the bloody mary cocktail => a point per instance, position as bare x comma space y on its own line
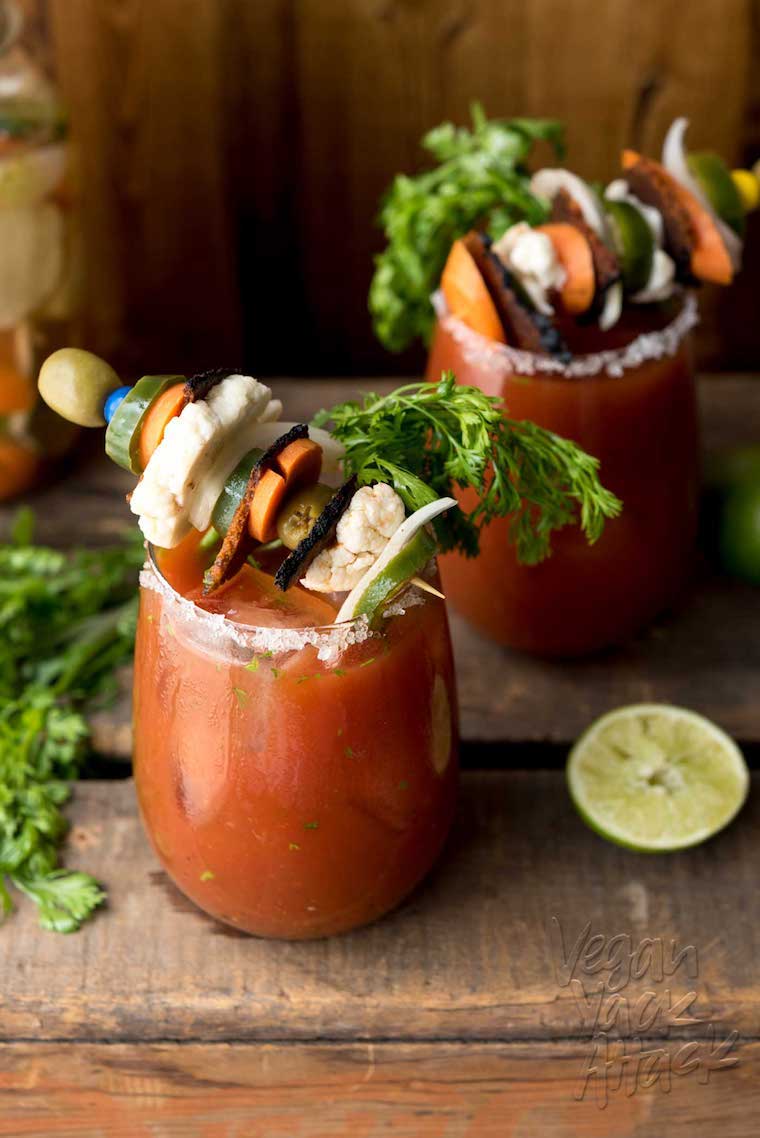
295, 730
568, 303
634, 408
294, 782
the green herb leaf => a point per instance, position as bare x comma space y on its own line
67, 621
64, 899
481, 176
425, 439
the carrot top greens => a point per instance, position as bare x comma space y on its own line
426, 439
66, 622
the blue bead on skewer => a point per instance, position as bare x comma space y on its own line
113, 401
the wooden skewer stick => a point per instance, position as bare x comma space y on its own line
427, 588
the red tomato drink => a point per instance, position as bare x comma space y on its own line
295, 780
634, 408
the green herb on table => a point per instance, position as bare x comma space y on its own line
67, 622
425, 439
480, 176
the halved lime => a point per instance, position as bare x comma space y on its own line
634, 243
656, 778
714, 178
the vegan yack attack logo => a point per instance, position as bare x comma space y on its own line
598, 970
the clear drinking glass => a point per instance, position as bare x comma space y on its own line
633, 406
294, 782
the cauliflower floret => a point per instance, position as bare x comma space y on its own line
374, 515
531, 256
336, 570
372, 518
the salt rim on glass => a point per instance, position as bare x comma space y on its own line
216, 632
478, 351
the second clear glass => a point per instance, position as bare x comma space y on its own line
635, 409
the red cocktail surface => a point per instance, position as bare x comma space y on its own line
637, 413
287, 794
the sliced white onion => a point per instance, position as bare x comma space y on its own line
674, 161
548, 182
612, 307
404, 534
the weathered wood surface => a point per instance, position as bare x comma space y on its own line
446, 1090
234, 153
474, 955
706, 655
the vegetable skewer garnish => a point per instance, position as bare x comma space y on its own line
211, 452
527, 326
288, 462
317, 537
514, 273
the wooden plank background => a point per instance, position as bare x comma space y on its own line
233, 152
472, 955
359, 1090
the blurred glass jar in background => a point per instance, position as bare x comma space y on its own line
40, 259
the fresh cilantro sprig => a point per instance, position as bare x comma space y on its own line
67, 622
481, 177
427, 438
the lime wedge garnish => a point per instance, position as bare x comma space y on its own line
714, 178
656, 778
634, 243
407, 552
410, 561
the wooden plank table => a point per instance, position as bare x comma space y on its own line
461, 1014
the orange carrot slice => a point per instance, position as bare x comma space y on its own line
267, 499
467, 295
575, 256
300, 462
709, 257
157, 418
